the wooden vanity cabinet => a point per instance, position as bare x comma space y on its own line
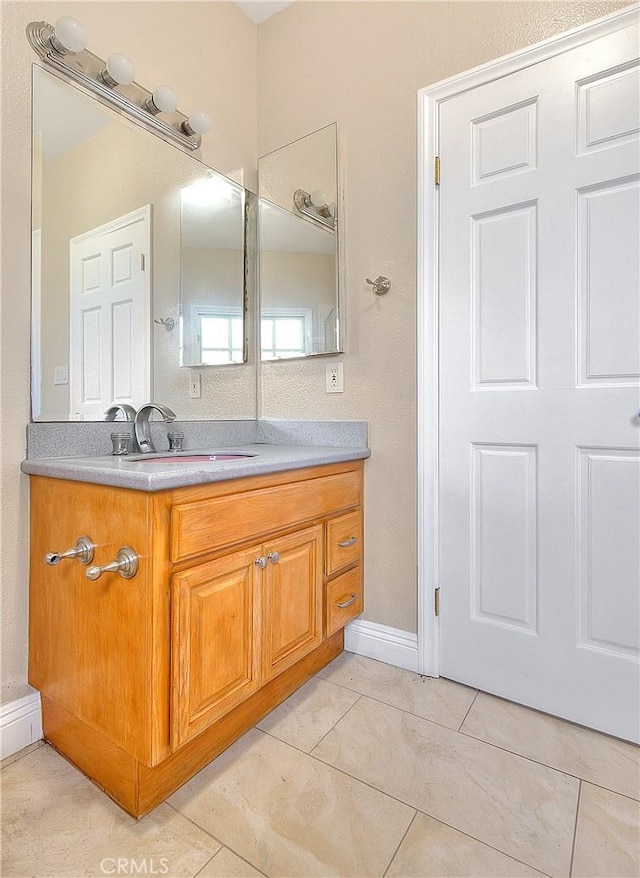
239, 598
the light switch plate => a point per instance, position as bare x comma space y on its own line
60, 374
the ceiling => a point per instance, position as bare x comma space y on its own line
261, 10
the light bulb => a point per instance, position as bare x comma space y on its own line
318, 198
197, 123
163, 100
119, 70
68, 35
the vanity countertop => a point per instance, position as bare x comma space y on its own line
148, 476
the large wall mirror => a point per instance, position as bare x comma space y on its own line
299, 247
138, 267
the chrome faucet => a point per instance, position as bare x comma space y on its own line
141, 424
128, 412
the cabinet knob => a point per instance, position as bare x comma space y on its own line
83, 551
126, 564
274, 557
261, 562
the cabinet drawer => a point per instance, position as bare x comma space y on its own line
344, 541
343, 600
206, 525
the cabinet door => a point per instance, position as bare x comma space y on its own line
292, 599
215, 641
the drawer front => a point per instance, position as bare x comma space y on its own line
207, 525
343, 600
344, 541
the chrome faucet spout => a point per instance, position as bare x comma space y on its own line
141, 424
128, 412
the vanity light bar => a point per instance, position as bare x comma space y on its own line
313, 206
87, 69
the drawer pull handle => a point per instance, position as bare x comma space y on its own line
261, 562
350, 542
83, 551
343, 604
126, 564
274, 557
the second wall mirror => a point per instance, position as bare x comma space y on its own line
299, 248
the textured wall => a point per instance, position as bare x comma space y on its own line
360, 64
207, 51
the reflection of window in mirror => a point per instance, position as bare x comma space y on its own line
218, 334
285, 332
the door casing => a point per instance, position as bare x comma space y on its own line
429, 100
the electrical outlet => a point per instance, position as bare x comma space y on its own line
60, 374
195, 385
334, 378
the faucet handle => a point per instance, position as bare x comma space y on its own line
176, 441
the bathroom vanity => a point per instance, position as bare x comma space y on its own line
242, 590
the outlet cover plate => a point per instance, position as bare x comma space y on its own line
334, 378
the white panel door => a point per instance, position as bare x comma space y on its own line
539, 506
110, 316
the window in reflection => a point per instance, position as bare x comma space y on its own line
218, 335
285, 332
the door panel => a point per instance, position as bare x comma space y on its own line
110, 308
292, 600
216, 641
539, 374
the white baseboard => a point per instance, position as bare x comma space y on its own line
20, 724
390, 645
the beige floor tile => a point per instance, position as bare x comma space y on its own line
608, 835
56, 822
439, 700
306, 717
524, 809
433, 850
288, 814
226, 864
590, 755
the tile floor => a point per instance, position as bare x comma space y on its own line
366, 771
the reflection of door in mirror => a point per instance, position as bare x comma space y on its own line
299, 248
110, 297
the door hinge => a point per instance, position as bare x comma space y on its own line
436, 170
436, 601
143, 262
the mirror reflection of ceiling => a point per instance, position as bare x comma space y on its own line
210, 216
283, 231
54, 100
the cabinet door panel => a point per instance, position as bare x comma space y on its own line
292, 604
216, 641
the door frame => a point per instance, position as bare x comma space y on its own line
428, 379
